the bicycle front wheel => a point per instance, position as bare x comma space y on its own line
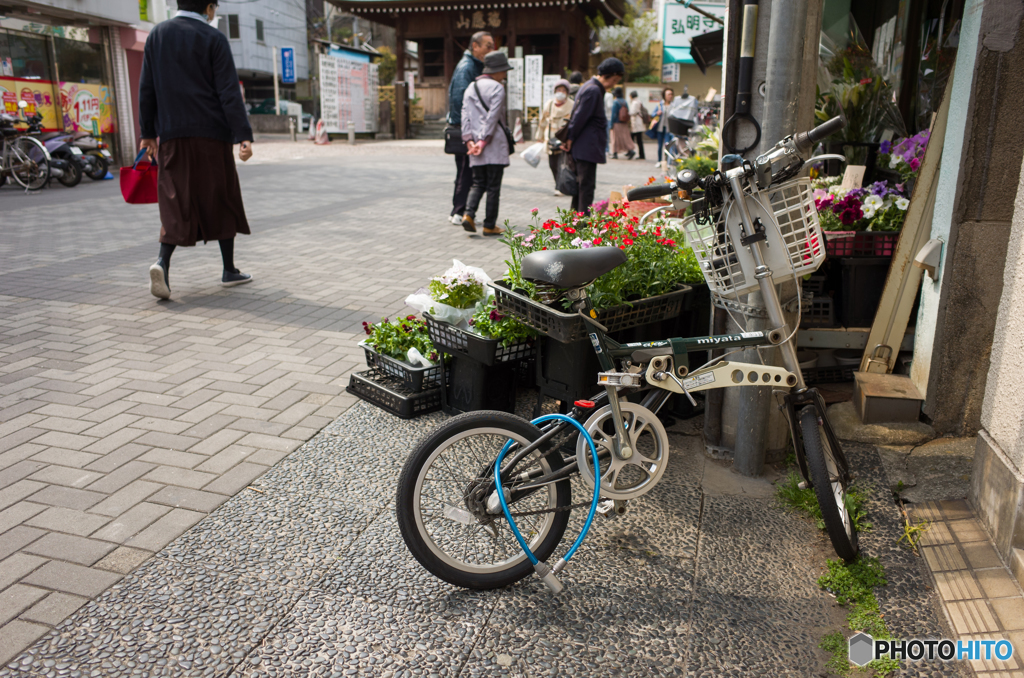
827, 468
442, 502
28, 164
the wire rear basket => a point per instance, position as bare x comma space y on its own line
793, 249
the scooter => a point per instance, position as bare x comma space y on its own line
95, 150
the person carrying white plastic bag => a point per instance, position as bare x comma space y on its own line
452, 296
533, 154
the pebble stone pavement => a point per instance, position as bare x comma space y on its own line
277, 554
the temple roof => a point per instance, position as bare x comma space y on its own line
614, 8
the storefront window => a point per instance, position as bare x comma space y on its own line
29, 57
79, 61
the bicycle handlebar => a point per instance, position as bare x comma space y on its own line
652, 191
805, 141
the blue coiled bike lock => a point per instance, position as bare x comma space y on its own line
547, 574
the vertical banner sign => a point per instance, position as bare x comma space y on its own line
288, 65
348, 93
549, 87
515, 85
534, 80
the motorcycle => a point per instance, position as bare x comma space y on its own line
68, 164
96, 151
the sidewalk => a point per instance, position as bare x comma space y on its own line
124, 421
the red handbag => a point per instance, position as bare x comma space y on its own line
138, 182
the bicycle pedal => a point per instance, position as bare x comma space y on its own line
804, 485
611, 507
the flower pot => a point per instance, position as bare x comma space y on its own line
414, 377
569, 327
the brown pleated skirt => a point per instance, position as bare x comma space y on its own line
198, 190
622, 139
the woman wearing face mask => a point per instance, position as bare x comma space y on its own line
554, 117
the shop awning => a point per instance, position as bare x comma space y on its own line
677, 55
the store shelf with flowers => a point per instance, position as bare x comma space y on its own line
647, 297
861, 228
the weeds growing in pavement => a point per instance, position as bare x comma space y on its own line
790, 494
851, 584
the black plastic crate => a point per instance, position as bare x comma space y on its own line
471, 386
815, 284
458, 342
861, 243
392, 395
863, 284
414, 378
569, 327
819, 312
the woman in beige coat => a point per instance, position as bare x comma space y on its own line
554, 117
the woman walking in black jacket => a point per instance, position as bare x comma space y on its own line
191, 113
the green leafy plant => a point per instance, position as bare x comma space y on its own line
655, 262
802, 499
702, 166
912, 532
394, 339
630, 41
488, 322
458, 287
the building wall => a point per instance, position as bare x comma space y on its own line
974, 206
284, 25
117, 11
1003, 411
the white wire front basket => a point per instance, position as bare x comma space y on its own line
793, 247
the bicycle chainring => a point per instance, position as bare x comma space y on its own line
625, 478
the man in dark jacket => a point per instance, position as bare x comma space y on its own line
469, 68
588, 130
190, 100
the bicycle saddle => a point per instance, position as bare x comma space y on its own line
571, 268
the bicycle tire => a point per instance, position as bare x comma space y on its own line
831, 493
36, 170
422, 544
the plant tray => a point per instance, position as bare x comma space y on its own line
455, 341
568, 327
414, 378
828, 375
860, 243
392, 395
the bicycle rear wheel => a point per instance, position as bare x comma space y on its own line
828, 470
28, 164
441, 504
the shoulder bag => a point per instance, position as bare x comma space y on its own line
453, 143
508, 132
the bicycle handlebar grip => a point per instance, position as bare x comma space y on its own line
805, 141
652, 191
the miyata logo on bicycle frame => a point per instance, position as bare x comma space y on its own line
729, 337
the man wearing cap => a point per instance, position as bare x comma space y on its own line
588, 130
486, 136
469, 68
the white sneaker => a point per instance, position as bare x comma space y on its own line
158, 286
456, 219
557, 193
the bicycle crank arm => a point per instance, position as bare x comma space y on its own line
722, 375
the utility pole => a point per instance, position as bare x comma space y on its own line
277, 88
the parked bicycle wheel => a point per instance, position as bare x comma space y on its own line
828, 470
28, 164
442, 502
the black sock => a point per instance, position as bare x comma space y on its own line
165, 255
227, 253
